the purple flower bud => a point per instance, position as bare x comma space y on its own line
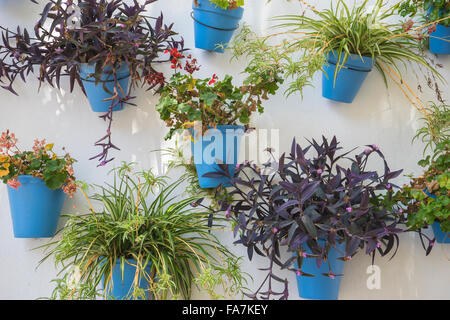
432, 244
227, 214
319, 171
332, 276
400, 210
298, 273
304, 255
378, 244
349, 257
349, 209
136, 45
388, 186
238, 166
275, 230
367, 151
103, 163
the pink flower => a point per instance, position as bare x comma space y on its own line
388, 186
349, 257
275, 230
13, 183
304, 255
319, 171
375, 147
332, 276
367, 151
432, 244
349, 209
378, 244
298, 273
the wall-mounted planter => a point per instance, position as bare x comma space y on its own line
122, 288
321, 287
440, 40
219, 145
35, 209
441, 236
214, 26
349, 79
97, 93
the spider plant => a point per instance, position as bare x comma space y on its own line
436, 128
309, 39
169, 234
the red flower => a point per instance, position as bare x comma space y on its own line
213, 79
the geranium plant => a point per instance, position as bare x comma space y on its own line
313, 197
107, 34
186, 99
42, 162
425, 199
438, 11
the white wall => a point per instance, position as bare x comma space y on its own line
379, 116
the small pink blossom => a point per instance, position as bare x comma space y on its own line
319, 171
275, 230
298, 273
332, 276
378, 244
304, 255
432, 244
349, 209
13, 183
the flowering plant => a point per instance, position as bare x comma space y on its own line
426, 198
42, 162
437, 10
314, 202
107, 34
186, 99
225, 4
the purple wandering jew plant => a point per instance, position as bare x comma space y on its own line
301, 198
109, 34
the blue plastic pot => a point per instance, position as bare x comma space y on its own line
349, 79
220, 145
213, 26
35, 208
96, 93
440, 40
441, 236
321, 287
122, 288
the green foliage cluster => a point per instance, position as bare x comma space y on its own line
173, 236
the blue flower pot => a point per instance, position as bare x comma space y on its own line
96, 93
122, 289
441, 236
214, 26
321, 287
35, 209
440, 40
349, 79
220, 144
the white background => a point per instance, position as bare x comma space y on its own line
380, 116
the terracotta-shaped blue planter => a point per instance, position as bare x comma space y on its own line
441, 236
321, 287
440, 40
349, 79
35, 209
104, 89
122, 288
219, 145
214, 26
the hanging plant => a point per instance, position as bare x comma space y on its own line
319, 203
38, 182
211, 107
99, 45
343, 42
